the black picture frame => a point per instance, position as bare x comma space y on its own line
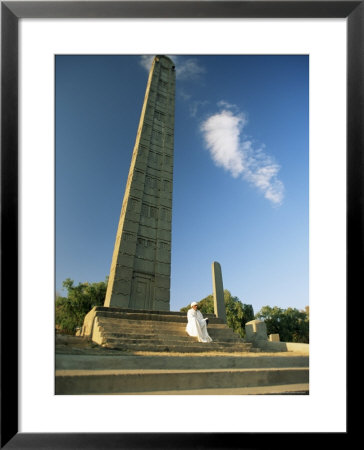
11, 12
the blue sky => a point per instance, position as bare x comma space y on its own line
240, 194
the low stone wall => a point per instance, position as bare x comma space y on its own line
256, 333
88, 323
298, 347
269, 346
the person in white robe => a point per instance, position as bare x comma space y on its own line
196, 325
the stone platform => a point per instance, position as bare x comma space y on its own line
149, 352
157, 381
157, 331
105, 371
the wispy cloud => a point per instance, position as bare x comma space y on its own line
230, 149
184, 95
195, 105
146, 61
186, 68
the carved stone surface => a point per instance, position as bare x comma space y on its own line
256, 330
274, 338
141, 263
218, 291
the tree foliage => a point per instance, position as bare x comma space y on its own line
291, 324
237, 314
71, 310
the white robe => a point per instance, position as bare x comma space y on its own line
196, 326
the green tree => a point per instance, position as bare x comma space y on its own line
71, 310
237, 314
291, 324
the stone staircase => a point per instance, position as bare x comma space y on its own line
149, 352
157, 331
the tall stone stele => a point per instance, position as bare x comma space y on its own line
141, 264
218, 291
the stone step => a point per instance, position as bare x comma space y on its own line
183, 337
114, 309
185, 340
130, 324
127, 329
154, 331
170, 340
155, 381
143, 341
285, 389
124, 324
150, 333
155, 325
225, 335
137, 335
163, 362
151, 316
195, 347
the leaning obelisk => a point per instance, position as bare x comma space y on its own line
141, 264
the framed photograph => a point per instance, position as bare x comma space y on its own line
32, 34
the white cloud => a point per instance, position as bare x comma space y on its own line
186, 68
221, 132
231, 150
146, 61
